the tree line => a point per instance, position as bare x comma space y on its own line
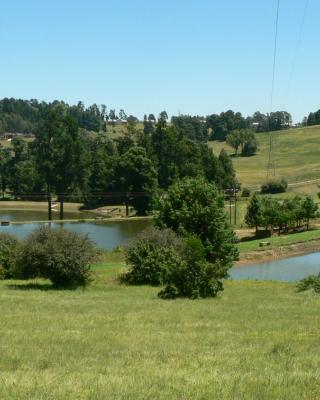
71, 162
23, 116
282, 215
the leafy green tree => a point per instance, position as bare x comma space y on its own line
5, 168
102, 168
135, 173
234, 140
254, 216
194, 127
72, 161
227, 175
194, 206
60, 153
25, 178
309, 209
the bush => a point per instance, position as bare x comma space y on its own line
151, 255
9, 246
250, 148
63, 257
160, 257
311, 282
193, 277
274, 186
193, 206
245, 192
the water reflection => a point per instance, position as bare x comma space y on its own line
289, 269
107, 235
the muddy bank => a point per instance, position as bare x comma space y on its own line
276, 253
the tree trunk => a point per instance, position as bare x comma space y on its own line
49, 207
61, 208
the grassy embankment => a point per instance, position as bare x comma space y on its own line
296, 155
256, 341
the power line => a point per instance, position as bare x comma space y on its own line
271, 169
295, 57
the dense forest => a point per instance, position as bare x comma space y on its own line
65, 160
74, 156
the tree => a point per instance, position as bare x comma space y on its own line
249, 142
254, 214
234, 140
113, 117
60, 153
227, 175
5, 168
136, 173
194, 206
102, 165
309, 209
122, 115
194, 127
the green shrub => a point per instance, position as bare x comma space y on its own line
9, 246
63, 257
151, 255
193, 276
274, 186
245, 192
311, 282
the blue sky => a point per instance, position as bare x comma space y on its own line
187, 56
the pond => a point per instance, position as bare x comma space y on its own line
106, 234
289, 269
110, 234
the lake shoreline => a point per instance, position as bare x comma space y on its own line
82, 220
277, 253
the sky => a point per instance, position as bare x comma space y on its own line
183, 56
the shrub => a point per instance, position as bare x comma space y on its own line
9, 246
245, 192
193, 277
311, 282
150, 256
63, 257
274, 186
194, 206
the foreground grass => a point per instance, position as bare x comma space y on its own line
256, 341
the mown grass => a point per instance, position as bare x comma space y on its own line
296, 155
258, 340
283, 240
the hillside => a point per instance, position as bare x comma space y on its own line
296, 155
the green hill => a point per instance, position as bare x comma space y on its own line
296, 156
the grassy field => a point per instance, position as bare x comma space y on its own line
296, 155
258, 340
35, 205
283, 240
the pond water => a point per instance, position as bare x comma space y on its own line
109, 234
289, 269
106, 234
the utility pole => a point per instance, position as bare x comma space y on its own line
61, 207
49, 206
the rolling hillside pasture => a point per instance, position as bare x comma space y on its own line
296, 155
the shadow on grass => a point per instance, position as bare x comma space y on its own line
36, 286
